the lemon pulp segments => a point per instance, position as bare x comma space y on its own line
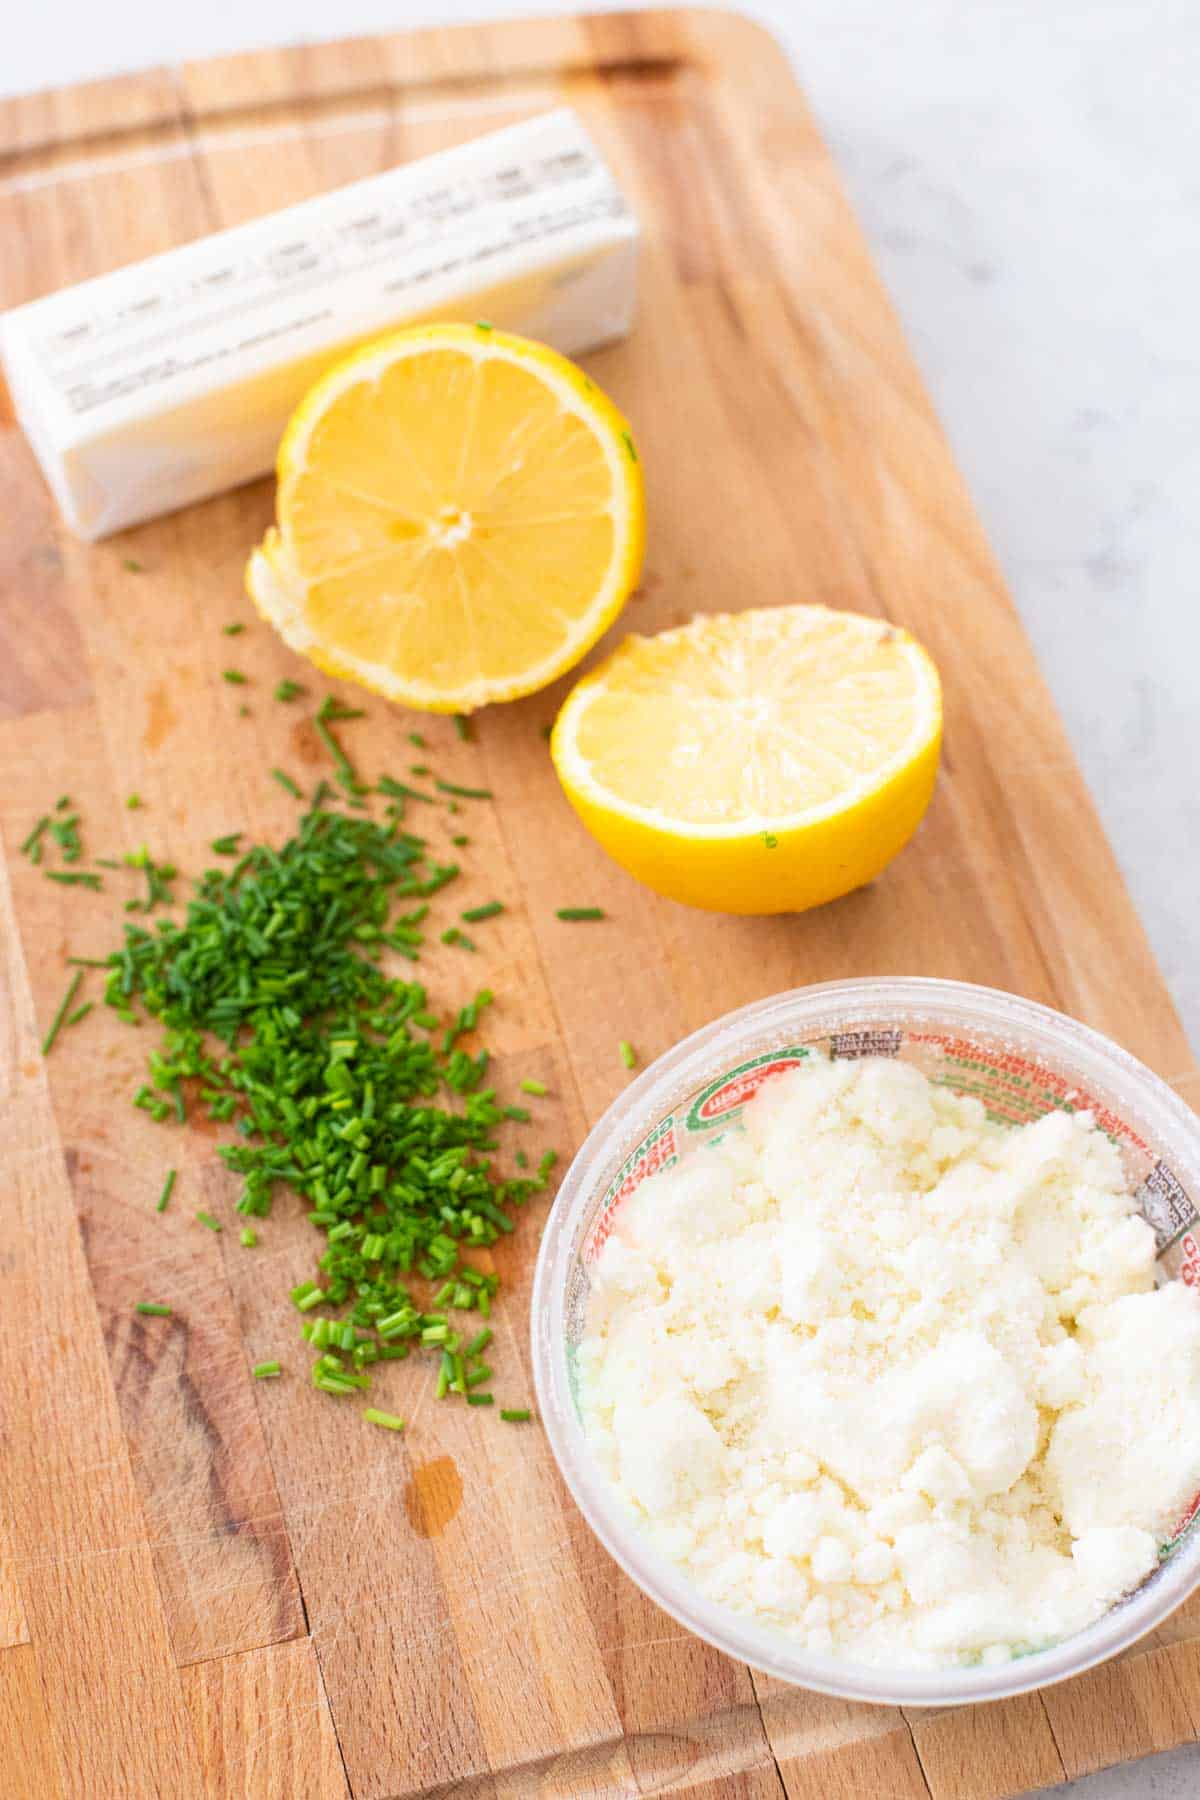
460, 516
756, 762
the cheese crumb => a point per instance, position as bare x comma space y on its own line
894, 1378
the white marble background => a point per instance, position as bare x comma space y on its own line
1028, 172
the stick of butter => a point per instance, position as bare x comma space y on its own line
162, 383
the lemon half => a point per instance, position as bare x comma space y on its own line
460, 515
758, 762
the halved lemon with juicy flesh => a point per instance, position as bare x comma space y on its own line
460, 515
756, 762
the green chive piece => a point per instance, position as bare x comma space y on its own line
81, 1012
69, 878
165, 1195
628, 443
285, 781
532, 1086
133, 565
546, 731
520, 1113
475, 915
243, 712
460, 842
463, 793
331, 708
289, 690
206, 1218
515, 1415
64, 1007
247, 1237
226, 846
153, 1309
627, 1053
263, 1371
478, 1343
234, 677
452, 935
572, 913
462, 726
481, 1399
416, 740
133, 801
30, 843
234, 630
389, 1421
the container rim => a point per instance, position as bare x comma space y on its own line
961, 1005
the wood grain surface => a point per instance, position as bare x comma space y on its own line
216, 1587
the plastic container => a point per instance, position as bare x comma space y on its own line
1022, 1060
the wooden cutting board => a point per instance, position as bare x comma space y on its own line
211, 1586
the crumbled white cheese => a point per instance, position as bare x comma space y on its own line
891, 1377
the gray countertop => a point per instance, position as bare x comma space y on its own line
1028, 174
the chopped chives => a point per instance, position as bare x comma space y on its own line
515, 1415
418, 769
264, 1370
31, 847
481, 1399
81, 1012
73, 878
133, 801
341, 1081
285, 781
165, 1195
475, 915
459, 842
234, 677
416, 740
344, 769
463, 727
133, 565
452, 935
243, 712
64, 1007
627, 1053
247, 1237
331, 708
520, 1113
463, 793
153, 1309
234, 630
478, 1343
530, 1085
572, 913
289, 690
389, 1421
62, 803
